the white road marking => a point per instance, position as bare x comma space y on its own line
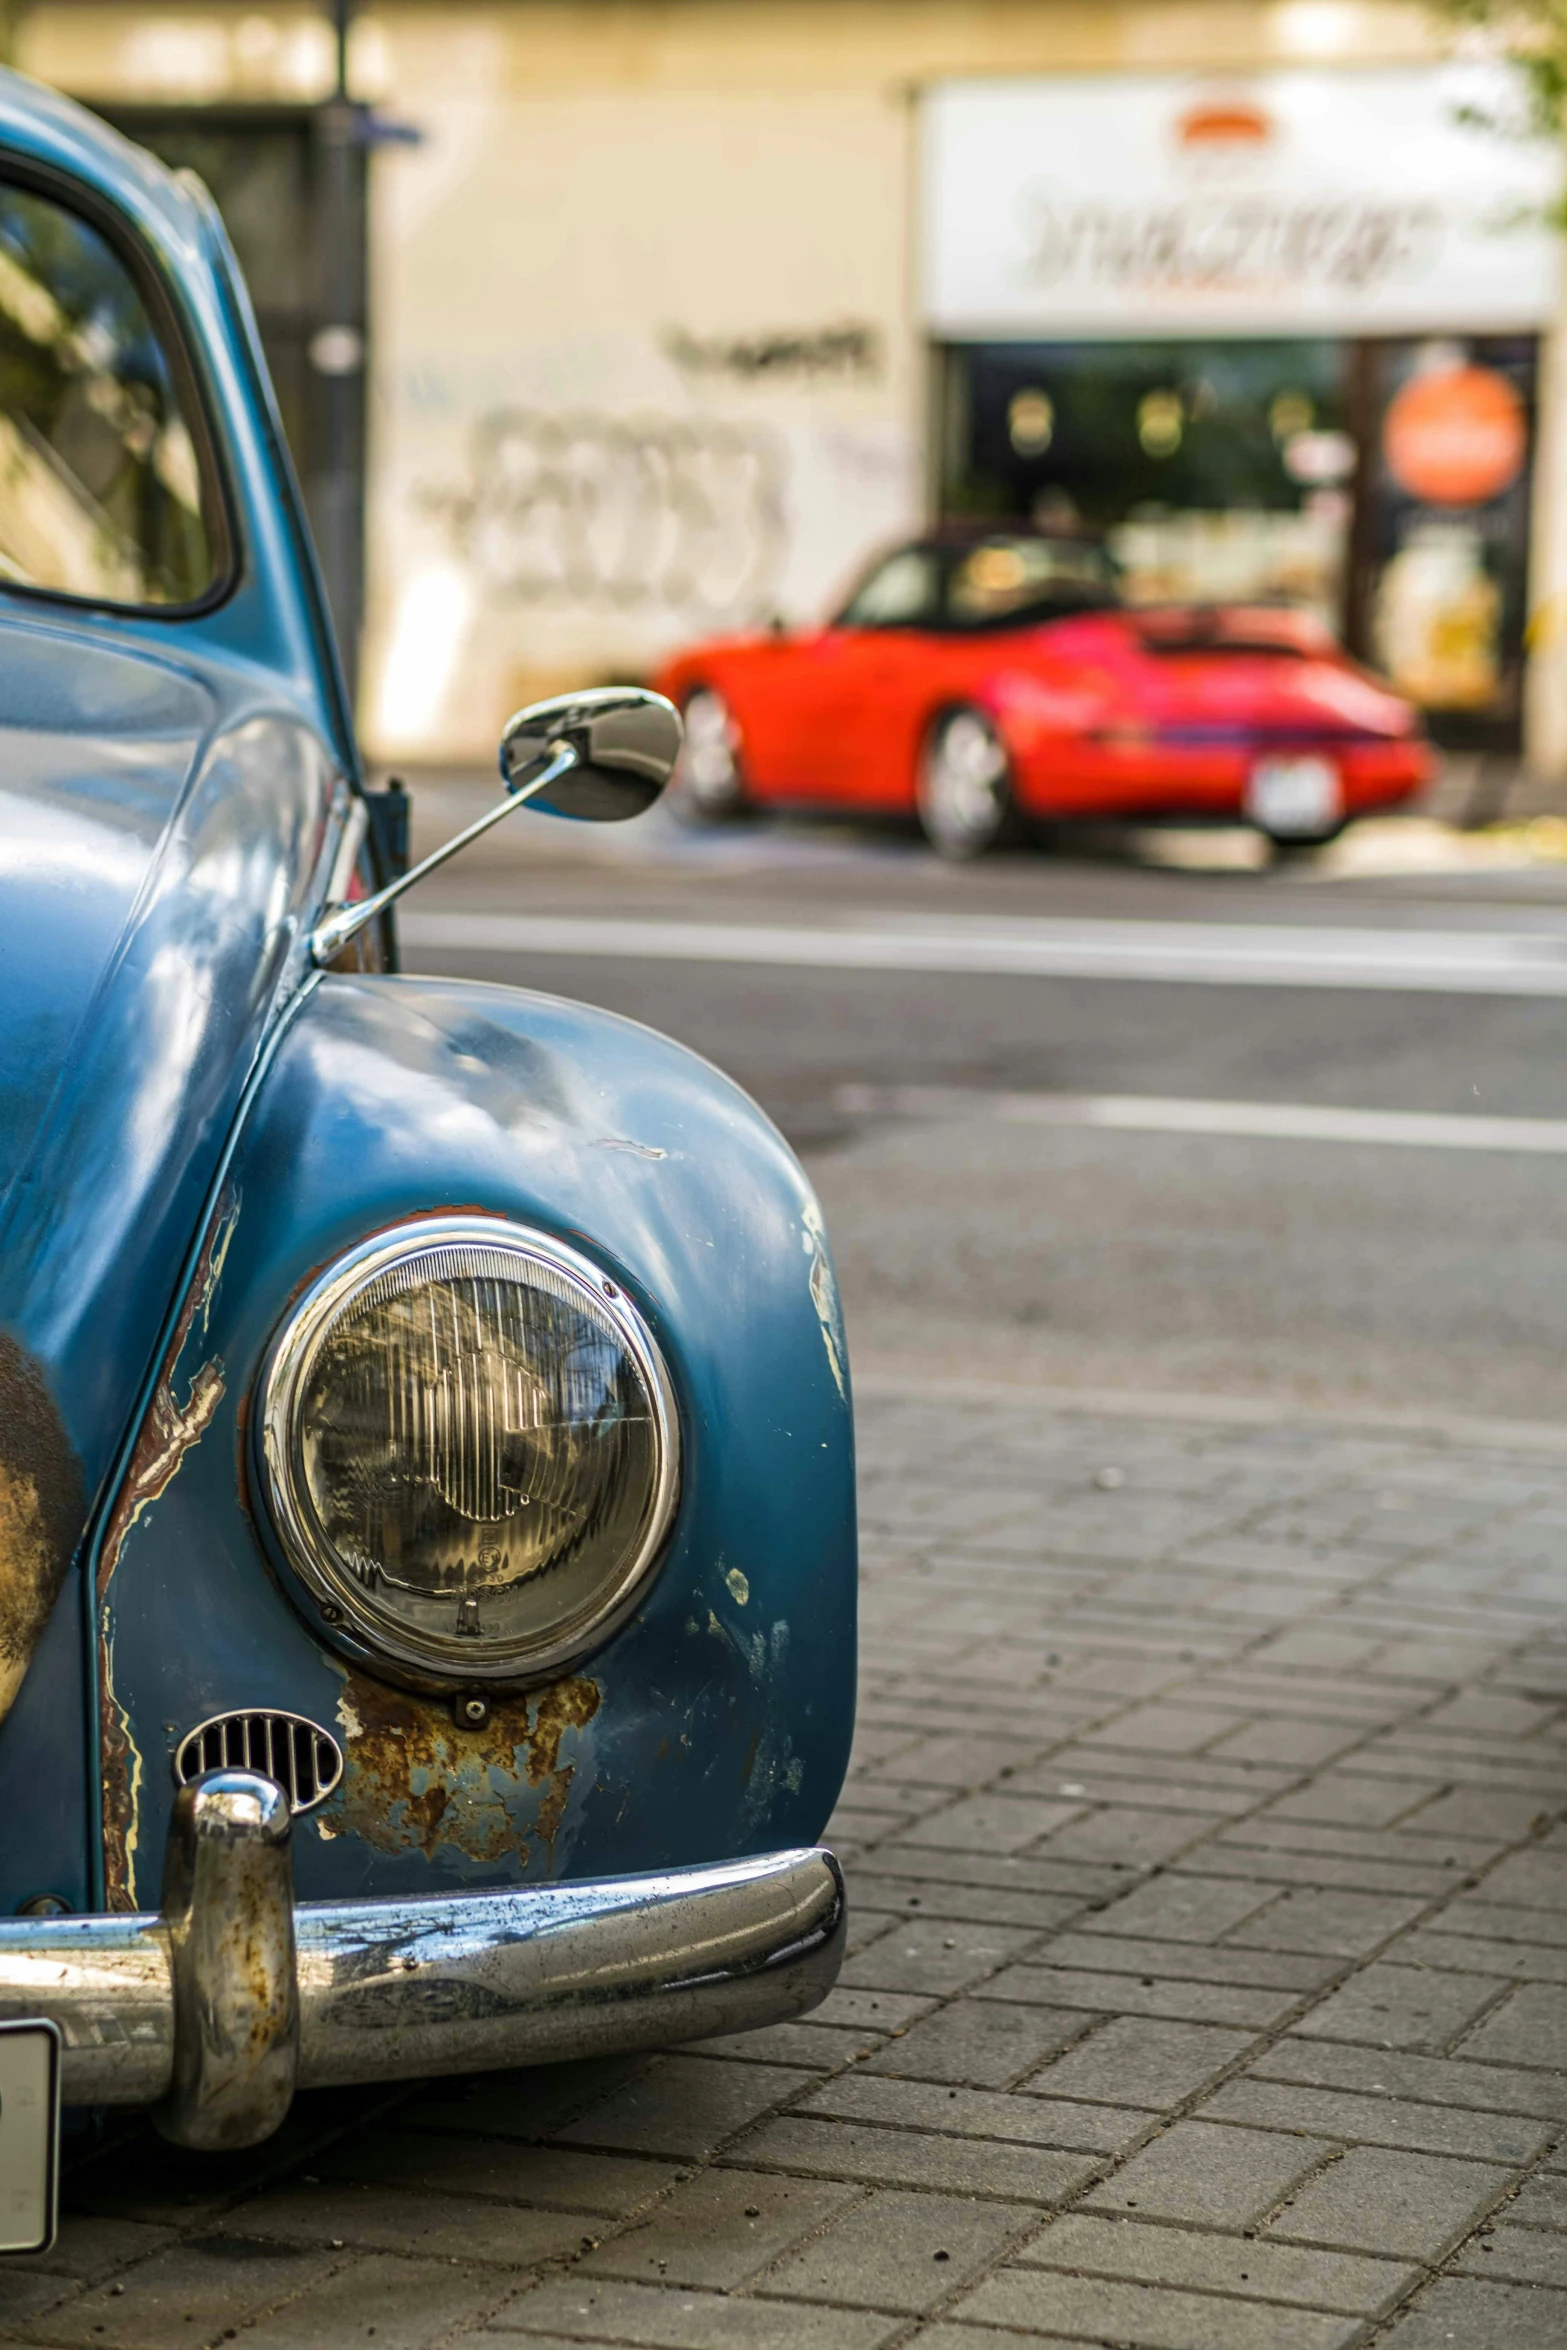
1216, 954
1130, 1113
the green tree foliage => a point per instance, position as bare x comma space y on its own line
1532, 38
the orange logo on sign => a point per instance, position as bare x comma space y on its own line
1456, 437
1224, 122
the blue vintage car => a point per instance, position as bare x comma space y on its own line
426, 1482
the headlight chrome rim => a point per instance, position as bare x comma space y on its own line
339, 1611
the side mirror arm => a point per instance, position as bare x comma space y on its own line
344, 923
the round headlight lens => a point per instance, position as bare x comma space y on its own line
470, 1448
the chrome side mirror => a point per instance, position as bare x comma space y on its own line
626, 742
597, 756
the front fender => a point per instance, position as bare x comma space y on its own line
717, 1720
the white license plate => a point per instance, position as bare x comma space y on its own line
29, 2135
1302, 796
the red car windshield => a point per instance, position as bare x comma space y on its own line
1002, 582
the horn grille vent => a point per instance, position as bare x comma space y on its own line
305, 1760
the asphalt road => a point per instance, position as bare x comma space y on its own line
1000, 1150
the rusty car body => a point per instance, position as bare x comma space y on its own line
426, 1478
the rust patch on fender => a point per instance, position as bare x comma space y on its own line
171, 1427
167, 1433
42, 1505
415, 1781
123, 1775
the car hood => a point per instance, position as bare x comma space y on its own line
160, 834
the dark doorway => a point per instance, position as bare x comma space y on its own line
290, 184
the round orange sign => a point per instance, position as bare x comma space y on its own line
1456, 437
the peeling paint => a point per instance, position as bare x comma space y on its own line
123, 1779
739, 1586
168, 1433
638, 1150
824, 1295
414, 1781
211, 1272
770, 1758
41, 1509
172, 1426
769, 1755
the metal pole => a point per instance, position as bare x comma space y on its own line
337, 353
342, 19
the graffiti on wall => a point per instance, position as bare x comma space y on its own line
678, 514
852, 352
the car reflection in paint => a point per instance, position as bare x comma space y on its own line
991, 679
424, 1416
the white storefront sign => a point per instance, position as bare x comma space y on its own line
1350, 201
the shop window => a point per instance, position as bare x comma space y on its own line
1214, 471
1382, 486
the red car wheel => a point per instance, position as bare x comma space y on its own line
964, 787
708, 778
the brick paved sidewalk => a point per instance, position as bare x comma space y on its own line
1209, 1986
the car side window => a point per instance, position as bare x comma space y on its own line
102, 494
903, 592
1008, 578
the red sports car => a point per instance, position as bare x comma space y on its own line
988, 681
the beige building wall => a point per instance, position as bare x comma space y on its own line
646, 356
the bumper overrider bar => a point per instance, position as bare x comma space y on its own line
215, 2011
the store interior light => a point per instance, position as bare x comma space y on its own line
1319, 459
1031, 421
1160, 423
1289, 413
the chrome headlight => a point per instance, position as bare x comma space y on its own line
470, 1449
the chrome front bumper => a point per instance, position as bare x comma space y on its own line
216, 2010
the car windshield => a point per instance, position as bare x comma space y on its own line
1000, 582
101, 494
